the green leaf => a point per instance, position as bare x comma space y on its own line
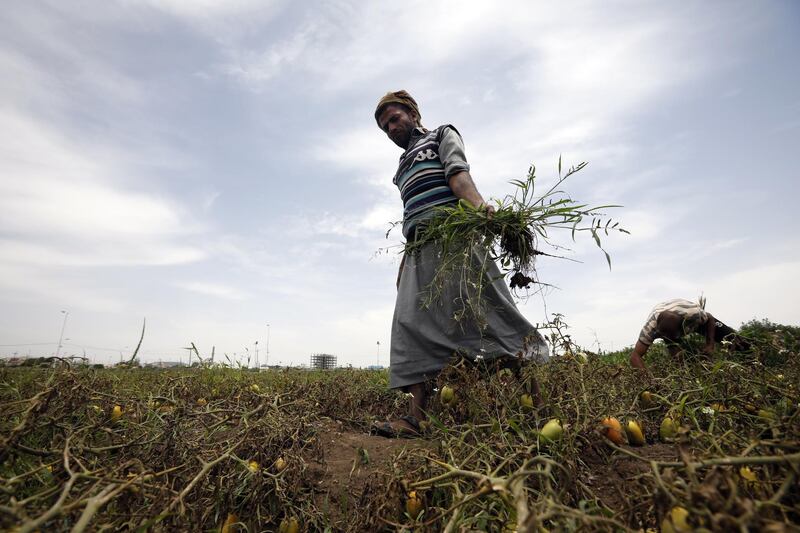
596, 238
515, 426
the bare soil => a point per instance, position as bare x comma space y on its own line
353, 461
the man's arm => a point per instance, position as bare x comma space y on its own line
637, 355
451, 152
464, 188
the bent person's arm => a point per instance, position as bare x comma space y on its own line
637, 356
711, 329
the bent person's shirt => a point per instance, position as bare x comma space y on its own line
425, 168
692, 314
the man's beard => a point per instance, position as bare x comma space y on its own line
402, 139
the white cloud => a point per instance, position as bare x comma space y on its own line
354, 337
38, 284
212, 289
57, 208
21, 82
223, 20
61, 203
379, 217
764, 291
575, 87
254, 68
204, 9
55, 254
364, 149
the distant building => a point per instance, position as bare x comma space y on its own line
375, 367
323, 361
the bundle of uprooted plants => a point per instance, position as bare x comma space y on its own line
517, 232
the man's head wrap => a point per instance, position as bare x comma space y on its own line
398, 97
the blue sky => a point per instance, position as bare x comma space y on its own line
215, 167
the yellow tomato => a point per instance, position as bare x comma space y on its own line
635, 433
413, 504
289, 525
552, 430
668, 429
676, 521
228, 523
767, 414
447, 395
526, 401
748, 475
647, 399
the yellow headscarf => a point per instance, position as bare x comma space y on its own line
398, 97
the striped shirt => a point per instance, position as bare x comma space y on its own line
431, 158
692, 314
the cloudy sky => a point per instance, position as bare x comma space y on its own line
213, 165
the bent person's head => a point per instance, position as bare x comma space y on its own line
397, 114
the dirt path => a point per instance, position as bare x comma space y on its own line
352, 464
352, 467
614, 477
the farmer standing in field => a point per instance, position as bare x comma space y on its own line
433, 172
674, 319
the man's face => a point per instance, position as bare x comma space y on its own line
398, 123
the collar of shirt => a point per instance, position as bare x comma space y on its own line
416, 133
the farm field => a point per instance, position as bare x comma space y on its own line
221, 449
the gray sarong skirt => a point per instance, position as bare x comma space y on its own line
424, 339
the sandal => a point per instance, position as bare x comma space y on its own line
386, 429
